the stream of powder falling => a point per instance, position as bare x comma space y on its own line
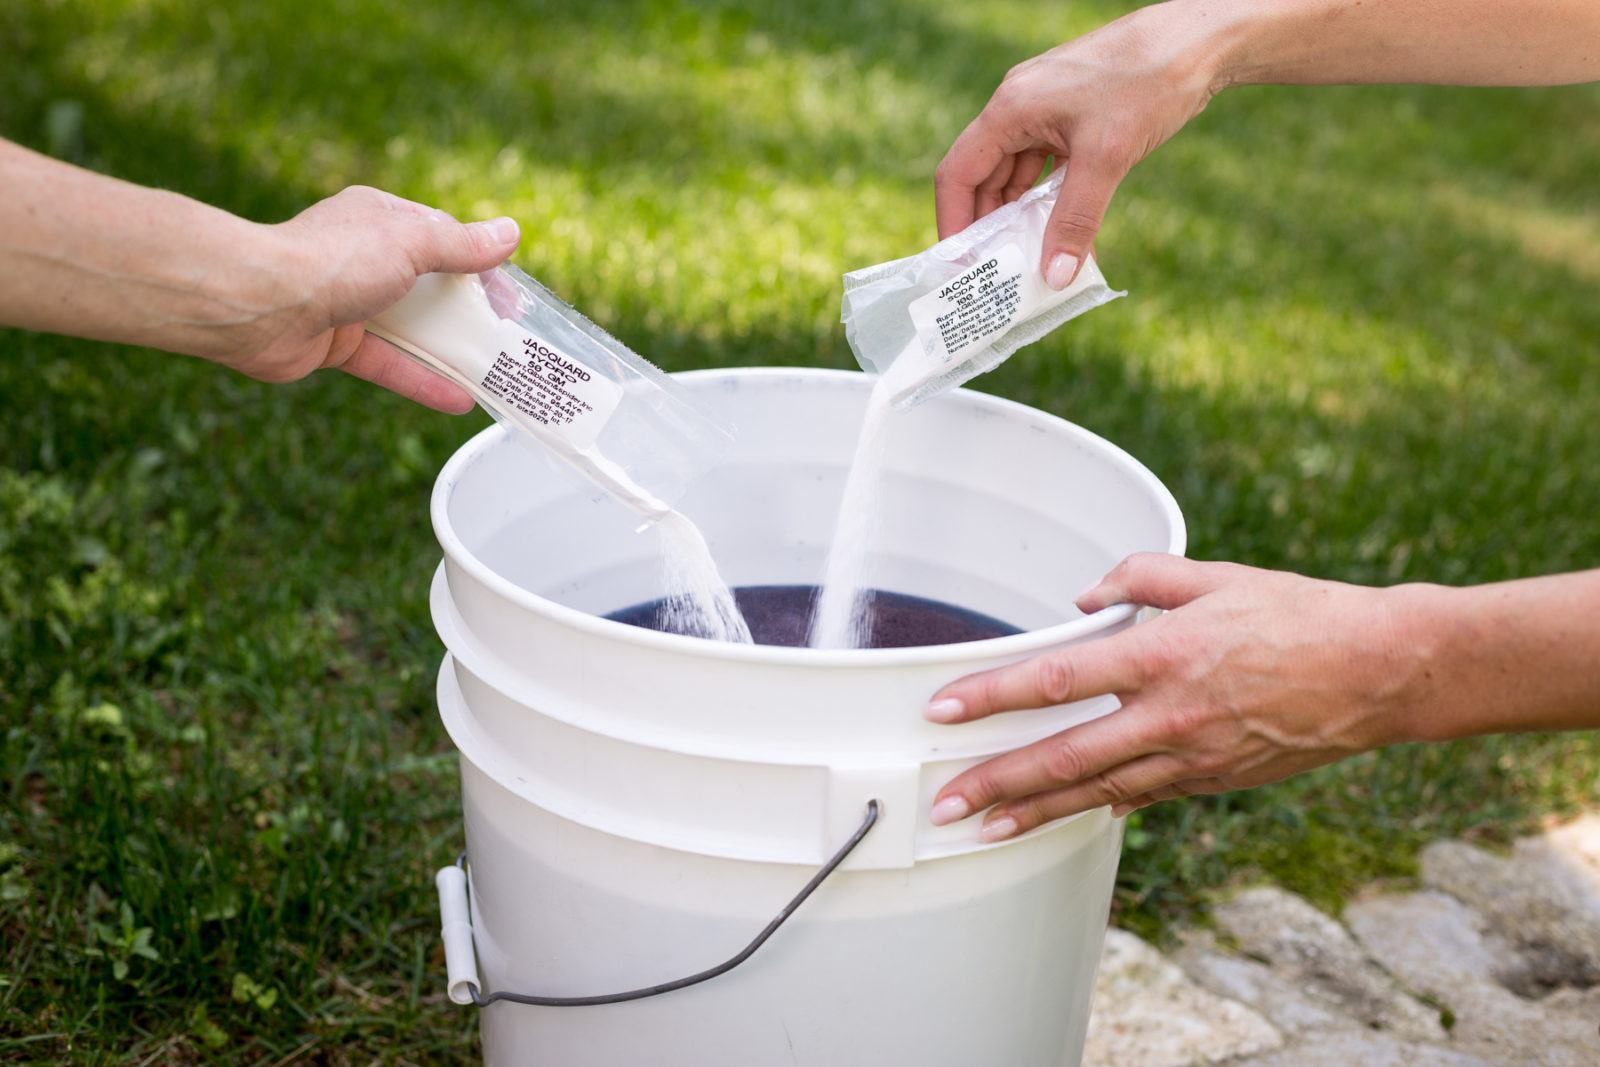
700, 602
841, 619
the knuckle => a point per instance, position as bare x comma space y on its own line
990, 695
1012, 92
1138, 561
1074, 223
1062, 762
1055, 678
1170, 791
1159, 658
1029, 813
1108, 787
981, 786
943, 175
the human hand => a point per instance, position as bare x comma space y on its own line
353, 255
1251, 676
87, 255
1098, 105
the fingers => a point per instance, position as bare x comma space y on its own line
1192, 787
378, 362
990, 192
1159, 580
973, 160
1086, 191
1025, 173
1091, 669
456, 248
1117, 664
1107, 761
1119, 759
431, 239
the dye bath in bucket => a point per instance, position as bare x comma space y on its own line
639, 804
781, 615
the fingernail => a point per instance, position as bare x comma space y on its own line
503, 230
1119, 810
947, 710
1061, 270
950, 809
997, 829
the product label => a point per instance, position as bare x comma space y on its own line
973, 308
549, 387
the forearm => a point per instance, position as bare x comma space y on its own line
1500, 658
1445, 42
92, 256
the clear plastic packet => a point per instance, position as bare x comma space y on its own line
929, 322
547, 373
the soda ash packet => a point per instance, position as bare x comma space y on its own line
547, 373
929, 322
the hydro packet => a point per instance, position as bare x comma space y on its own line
547, 373
929, 322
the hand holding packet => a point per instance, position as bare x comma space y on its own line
929, 322
551, 376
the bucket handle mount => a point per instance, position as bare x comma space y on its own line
461, 958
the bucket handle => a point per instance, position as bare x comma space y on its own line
461, 960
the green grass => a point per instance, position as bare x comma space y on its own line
1360, 343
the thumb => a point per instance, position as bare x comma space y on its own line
1158, 580
444, 245
1075, 220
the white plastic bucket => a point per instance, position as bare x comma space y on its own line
639, 805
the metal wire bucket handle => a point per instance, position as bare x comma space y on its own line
461, 959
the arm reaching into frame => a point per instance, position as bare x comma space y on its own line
91, 256
1102, 102
1252, 675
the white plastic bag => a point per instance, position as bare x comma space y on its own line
931, 321
549, 374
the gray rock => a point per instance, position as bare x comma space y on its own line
1505, 950
1365, 1048
1306, 947
1429, 940
1147, 1013
1257, 986
1545, 901
1438, 946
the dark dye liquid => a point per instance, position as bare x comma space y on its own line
781, 615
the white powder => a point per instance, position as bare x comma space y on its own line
532, 387
940, 334
841, 619
702, 604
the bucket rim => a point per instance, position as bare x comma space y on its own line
1020, 645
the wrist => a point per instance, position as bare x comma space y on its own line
248, 287
1216, 40
1421, 633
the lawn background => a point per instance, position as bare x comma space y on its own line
1361, 343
